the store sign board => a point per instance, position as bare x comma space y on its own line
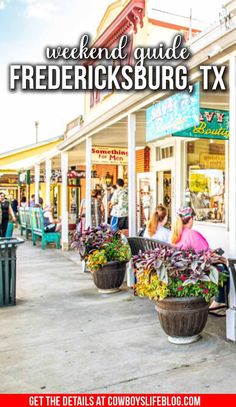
176, 113
109, 155
214, 124
212, 161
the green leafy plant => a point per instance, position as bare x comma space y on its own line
168, 272
98, 246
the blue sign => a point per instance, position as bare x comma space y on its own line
176, 113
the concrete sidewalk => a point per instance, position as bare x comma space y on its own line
65, 337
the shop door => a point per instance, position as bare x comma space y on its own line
146, 197
164, 191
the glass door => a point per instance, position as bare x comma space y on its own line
164, 191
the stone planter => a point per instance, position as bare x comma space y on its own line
183, 319
110, 278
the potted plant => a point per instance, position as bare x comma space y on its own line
106, 254
182, 283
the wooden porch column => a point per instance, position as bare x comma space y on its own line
88, 181
132, 173
231, 312
36, 182
131, 188
48, 164
64, 201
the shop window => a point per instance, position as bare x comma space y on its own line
164, 152
205, 188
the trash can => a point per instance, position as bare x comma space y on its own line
8, 247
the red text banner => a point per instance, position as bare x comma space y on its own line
117, 400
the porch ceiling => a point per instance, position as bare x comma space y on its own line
116, 135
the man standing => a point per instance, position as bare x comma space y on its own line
119, 205
5, 212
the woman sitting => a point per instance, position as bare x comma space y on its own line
50, 224
182, 234
155, 227
184, 237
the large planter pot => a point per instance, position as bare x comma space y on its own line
183, 319
110, 277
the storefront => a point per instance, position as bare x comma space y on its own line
189, 166
184, 168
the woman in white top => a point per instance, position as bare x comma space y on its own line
155, 227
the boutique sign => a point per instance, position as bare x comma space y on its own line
110, 155
176, 113
214, 124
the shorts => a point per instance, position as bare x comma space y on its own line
123, 223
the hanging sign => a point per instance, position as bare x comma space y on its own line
176, 113
109, 155
24, 178
214, 124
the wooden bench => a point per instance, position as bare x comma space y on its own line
38, 231
24, 221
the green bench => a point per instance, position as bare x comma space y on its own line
37, 227
24, 221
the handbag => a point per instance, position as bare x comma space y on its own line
50, 228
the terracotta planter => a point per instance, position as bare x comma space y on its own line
183, 319
111, 277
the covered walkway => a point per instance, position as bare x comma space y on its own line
64, 337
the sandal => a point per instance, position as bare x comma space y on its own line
218, 312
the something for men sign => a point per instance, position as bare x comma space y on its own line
110, 155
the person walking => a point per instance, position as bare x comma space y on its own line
97, 208
14, 205
109, 208
119, 205
6, 212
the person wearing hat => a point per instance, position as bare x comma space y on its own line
182, 234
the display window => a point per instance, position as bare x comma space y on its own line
205, 189
146, 183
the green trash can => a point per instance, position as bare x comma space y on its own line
8, 247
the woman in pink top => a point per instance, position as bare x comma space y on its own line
184, 237
182, 234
